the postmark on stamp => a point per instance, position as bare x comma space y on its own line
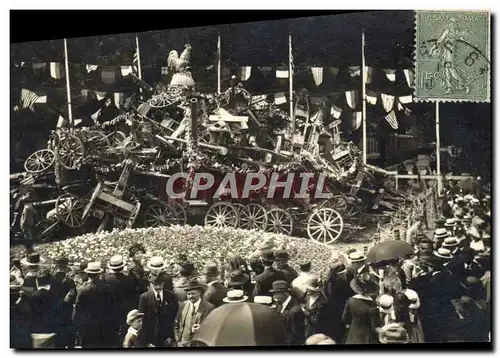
452, 56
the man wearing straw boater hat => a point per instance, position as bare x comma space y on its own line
439, 236
393, 333
93, 312
160, 307
235, 296
156, 265
191, 313
124, 293
291, 311
216, 291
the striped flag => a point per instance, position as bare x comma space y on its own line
135, 63
317, 73
392, 120
28, 99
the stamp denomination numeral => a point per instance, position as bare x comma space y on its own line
428, 79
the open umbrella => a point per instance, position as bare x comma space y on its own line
241, 324
389, 250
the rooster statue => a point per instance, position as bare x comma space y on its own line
179, 67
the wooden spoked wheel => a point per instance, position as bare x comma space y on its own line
222, 214
337, 202
325, 225
353, 214
39, 161
253, 217
162, 100
118, 138
96, 140
69, 210
181, 213
70, 151
160, 215
279, 221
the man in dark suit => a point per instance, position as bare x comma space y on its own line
123, 288
160, 307
65, 289
264, 281
46, 307
191, 313
290, 309
216, 291
94, 310
282, 258
316, 309
20, 313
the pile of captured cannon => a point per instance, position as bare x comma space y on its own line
113, 175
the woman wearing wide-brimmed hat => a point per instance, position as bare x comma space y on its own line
360, 312
412, 321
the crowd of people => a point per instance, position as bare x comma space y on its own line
441, 293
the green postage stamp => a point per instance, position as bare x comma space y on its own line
452, 56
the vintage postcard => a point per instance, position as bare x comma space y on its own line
275, 183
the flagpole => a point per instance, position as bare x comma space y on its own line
363, 93
290, 81
438, 151
139, 69
68, 87
218, 63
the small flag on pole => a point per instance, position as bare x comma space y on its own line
410, 77
392, 120
387, 102
279, 98
56, 70
118, 98
357, 118
281, 73
368, 74
390, 74
317, 73
245, 73
335, 111
352, 98
28, 99
406, 99
371, 97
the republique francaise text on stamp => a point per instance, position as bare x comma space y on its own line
452, 56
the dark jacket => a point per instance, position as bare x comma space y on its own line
264, 281
46, 312
138, 274
470, 324
158, 321
361, 315
215, 293
337, 292
124, 293
20, 313
93, 314
295, 323
318, 318
289, 272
